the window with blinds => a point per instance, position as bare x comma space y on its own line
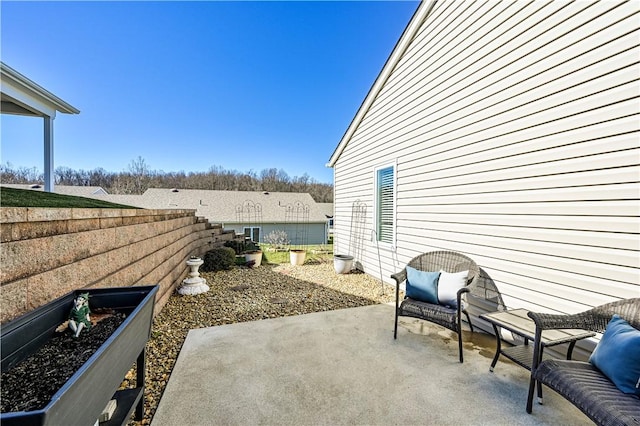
385, 190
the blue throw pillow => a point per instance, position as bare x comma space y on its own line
422, 285
617, 355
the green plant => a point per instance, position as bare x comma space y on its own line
250, 246
219, 259
236, 245
241, 246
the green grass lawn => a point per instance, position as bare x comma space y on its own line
315, 253
11, 197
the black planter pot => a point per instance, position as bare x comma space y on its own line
82, 398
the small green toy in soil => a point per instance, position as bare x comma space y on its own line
79, 316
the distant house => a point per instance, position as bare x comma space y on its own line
252, 213
327, 209
507, 131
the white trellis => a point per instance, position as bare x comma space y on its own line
297, 217
249, 215
357, 231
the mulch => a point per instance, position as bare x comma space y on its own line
30, 385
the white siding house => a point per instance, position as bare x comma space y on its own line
510, 132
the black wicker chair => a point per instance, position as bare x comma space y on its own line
579, 382
450, 318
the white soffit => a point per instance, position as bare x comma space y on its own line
22, 96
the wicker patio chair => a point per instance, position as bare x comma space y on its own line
484, 293
580, 382
447, 317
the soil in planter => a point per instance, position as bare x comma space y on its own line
30, 385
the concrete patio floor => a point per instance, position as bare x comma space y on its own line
344, 368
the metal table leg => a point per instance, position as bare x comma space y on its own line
538, 384
570, 350
498, 348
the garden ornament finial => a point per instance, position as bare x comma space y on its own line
79, 315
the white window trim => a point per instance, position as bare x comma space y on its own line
394, 165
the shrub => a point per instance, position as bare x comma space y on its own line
236, 245
219, 259
278, 239
241, 246
250, 246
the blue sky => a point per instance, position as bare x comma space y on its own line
191, 85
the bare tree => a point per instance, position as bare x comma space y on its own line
20, 175
139, 177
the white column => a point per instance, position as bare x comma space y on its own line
48, 154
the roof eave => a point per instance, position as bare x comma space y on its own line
421, 13
9, 75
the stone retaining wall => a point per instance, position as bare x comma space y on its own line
47, 252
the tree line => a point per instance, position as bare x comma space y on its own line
139, 177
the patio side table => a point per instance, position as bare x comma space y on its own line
517, 322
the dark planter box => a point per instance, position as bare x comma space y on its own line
83, 397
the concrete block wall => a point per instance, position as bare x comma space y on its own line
46, 252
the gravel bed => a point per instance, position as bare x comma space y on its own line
243, 294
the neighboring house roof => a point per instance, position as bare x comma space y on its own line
230, 206
80, 191
125, 199
421, 13
216, 206
327, 208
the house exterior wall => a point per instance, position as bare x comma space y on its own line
312, 233
515, 134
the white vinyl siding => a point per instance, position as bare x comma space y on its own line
516, 131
